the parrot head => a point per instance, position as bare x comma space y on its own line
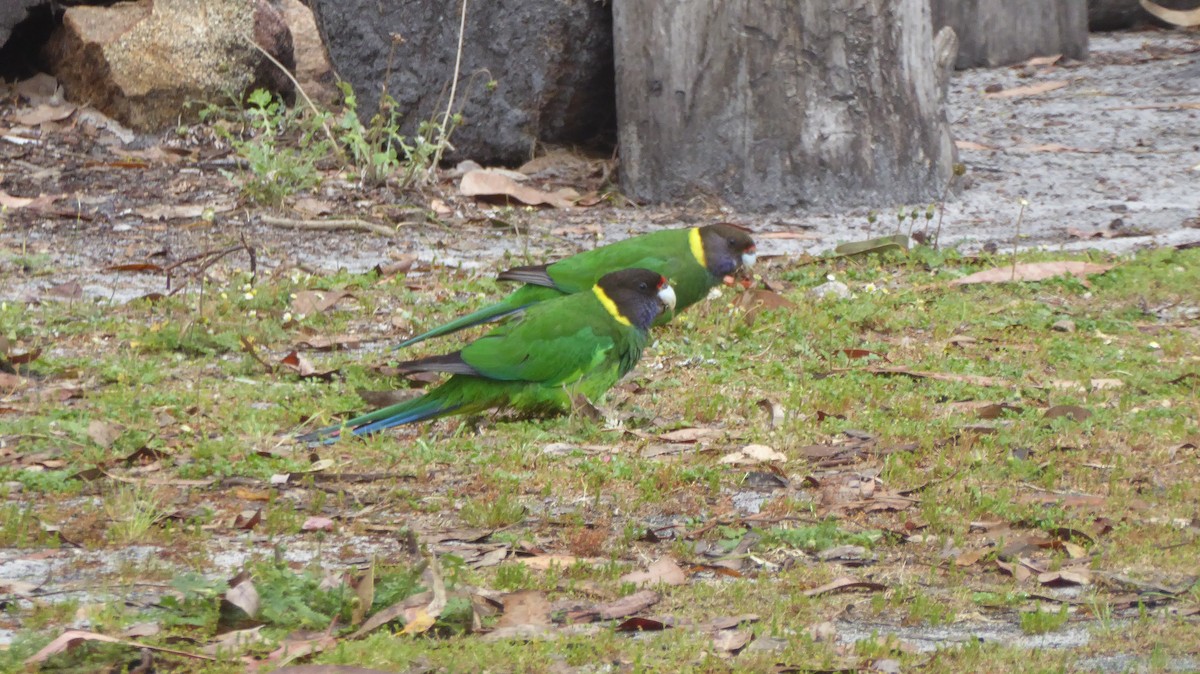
636, 295
728, 249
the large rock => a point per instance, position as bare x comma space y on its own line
533, 71
1121, 14
313, 71
992, 33
13, 12
1114, 14
140, 62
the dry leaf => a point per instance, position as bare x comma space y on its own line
71, 638
664, 571
1073, 411
627, 605
842, 584
317, 301
752, 455
70, 290
135, 266
13, 203
753, 302
970, 145
1040, 61
10, 383
691, 434
424, 618
527, 607
241, 596
543, 562
103, 433
317, 523
492, 183
787, 236
1030, 90
731, 641
1033, 271
303, 367
1065, 578
44, 113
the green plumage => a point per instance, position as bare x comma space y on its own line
539, 361
669, 252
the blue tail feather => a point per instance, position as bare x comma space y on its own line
389, 417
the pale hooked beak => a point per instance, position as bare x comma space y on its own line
749, 258
666, 295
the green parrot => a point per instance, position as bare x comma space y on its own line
695, 259
539, 361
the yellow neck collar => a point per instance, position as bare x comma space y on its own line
610, 306
697, 246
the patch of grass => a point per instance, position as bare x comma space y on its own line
818, 537
1043, 622
133, 511
493, 512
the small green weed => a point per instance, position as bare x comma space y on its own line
1042, 622
498, 512
276, 167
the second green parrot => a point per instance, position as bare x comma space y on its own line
695, 259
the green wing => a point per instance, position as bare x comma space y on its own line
667, 252
554, 342
656, 251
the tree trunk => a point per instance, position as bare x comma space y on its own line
779, 104
992, 33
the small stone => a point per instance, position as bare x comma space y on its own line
836, 289
12, 487
1064, 325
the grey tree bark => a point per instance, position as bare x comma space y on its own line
992, 33
779, 104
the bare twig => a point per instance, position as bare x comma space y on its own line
1017, 237
331, 225
208, 258
462, 29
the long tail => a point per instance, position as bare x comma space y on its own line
514, 303
427, 406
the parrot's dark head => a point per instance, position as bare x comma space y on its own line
727, 249
635, 296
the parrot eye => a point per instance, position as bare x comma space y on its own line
642, 286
